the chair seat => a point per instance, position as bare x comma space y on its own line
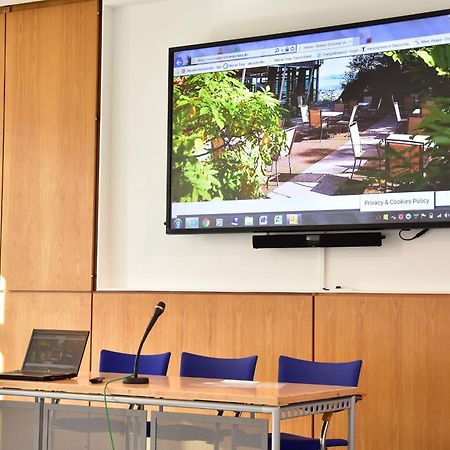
371, 152
294, 442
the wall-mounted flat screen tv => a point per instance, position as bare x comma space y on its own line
338, 128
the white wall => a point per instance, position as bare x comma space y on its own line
134, 252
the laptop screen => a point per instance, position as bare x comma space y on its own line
55, 350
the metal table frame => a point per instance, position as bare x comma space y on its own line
277, 413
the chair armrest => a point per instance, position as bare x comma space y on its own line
326, 418
323, 432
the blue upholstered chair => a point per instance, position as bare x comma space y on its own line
124, 363
292, 370
199, 366
118, 362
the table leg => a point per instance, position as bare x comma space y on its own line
40, 400
351, 425
276, 429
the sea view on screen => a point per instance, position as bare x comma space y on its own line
347, 126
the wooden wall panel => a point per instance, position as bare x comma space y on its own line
215, 324
20, 312
50, 146
403, 341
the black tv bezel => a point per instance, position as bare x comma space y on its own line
285, 228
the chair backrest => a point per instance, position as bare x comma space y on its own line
397, 112
355, 139
339, 107
290, 137
351, 103
367, 99
304, 113
200, 366
414, 124
293, 370
353, 114
124, 363
315, 118
425, 107
408, 103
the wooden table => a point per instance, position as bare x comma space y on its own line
280, 400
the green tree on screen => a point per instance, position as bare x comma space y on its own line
223, 137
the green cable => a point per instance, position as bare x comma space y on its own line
108, 422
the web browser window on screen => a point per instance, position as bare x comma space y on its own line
328, 129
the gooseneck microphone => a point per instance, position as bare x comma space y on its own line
134, 379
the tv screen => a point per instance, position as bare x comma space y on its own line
338, 128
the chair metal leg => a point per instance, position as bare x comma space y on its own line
359, 165
353, 170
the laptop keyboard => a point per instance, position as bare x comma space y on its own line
33, 372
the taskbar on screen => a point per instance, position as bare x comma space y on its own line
306, 219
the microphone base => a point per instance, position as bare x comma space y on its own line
132, 379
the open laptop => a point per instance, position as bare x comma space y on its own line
51, 355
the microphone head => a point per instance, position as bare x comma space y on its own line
160, 307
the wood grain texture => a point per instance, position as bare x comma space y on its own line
23, 311
221, 325
403, 341
50, 147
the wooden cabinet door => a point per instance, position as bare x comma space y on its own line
403, 342
23, 311
50, 146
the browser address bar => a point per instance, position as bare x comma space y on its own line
243, 55
274, 51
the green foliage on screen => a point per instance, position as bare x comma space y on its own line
223, 137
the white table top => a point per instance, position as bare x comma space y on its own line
408, 138
332, 113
